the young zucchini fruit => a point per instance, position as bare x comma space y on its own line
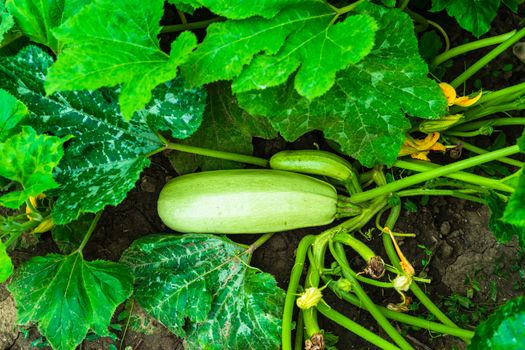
246, 201
317, 162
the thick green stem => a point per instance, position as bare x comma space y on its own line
339, 255
478, 150
403, 5
348, 8
437, 172
310, 315
473, 69
241, 158
421, 166
501, 96
361, 248
489, 122
478, 44
189, 26
366, 280
291, 292
354, 327
483, 111
299, 332
260, 241
462, 194
394, 260
405, 318
89, 231
472, 133
310, 322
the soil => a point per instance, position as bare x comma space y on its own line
465, 256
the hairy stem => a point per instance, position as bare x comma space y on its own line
355, 327
437, 172
478, 44
473, 69
339, 255
407, 319
291, 292
89, 231
462, 194
299, 332
478, 150
188, 26
394, 260
241, 158
460, 175
490, 122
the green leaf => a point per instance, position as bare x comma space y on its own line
68, 296
12, 113
503, 330
512, 4
521, 142
6, 21
238, 9
365, 110
6, 265
115, 42
472, 15
262, 53
29, 159
502, 230
37, 19
226, 127
201, 287
515, 210
429, 45
107, 155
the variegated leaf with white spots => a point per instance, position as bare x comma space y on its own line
107, 154
365, 109
202, 288
175, 108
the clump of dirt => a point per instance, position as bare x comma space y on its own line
8, 330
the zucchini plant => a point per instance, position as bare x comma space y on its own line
91, 91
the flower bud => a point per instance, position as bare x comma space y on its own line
402, 283
441, 124
344, 285
44, 226
309, 298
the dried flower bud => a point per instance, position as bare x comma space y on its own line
376, 267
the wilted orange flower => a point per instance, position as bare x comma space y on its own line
463, 101
419, 149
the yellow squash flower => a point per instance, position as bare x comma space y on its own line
309, 298
419, 149
463, 101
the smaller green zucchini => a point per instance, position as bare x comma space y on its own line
316, 162
246, 201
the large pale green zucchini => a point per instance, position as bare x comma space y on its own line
246, 201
